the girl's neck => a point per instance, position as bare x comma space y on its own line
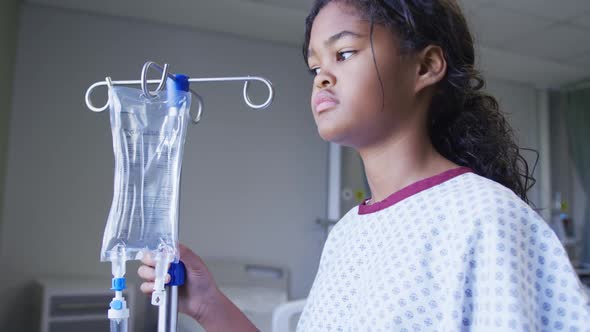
400, 160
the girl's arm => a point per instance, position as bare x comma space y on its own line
222, 315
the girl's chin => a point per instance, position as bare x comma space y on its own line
331, 134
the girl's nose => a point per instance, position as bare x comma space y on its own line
325, 79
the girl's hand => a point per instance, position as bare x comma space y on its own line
199, 297
199, 288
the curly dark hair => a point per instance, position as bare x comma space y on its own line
465, 124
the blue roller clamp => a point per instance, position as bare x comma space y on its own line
177, 272
118, 284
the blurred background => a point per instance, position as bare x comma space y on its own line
260, 189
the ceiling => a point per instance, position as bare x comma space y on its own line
541, 42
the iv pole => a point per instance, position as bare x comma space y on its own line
168, 313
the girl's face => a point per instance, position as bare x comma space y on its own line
348, 104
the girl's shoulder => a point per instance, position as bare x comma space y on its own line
495, 213
478, 194
482, 205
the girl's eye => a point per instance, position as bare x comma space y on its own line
315, 71
340, 56
345, 55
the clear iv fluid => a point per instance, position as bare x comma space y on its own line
148, 140
119, 325
150, 167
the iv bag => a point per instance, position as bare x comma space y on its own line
148, 141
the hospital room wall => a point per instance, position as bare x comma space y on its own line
8, 34
564, 174
253, 182
521, 104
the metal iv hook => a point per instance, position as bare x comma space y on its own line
144, 82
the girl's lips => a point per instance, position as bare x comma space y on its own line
324, 100
325, 105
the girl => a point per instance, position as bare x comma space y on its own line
447, 241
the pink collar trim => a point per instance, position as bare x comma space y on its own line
412, 189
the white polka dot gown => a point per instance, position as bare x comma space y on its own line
456, 252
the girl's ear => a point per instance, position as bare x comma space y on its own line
432, 67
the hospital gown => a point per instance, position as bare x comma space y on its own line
455, 252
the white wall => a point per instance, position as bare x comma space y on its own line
253, 182
8, 32
8, 37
